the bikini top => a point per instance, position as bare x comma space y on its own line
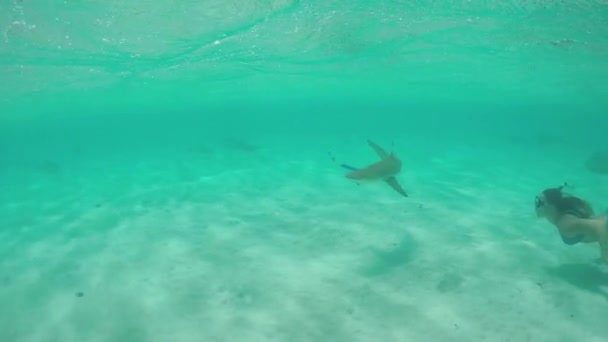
573, 240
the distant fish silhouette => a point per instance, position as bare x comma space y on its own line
598, 162
384, 170
240, 145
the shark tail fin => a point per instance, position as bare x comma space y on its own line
348, 167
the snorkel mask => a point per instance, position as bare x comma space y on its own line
549, 194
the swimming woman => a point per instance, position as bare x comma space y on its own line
574, 219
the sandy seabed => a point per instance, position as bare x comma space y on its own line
271, 243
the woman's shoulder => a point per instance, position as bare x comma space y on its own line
571, 223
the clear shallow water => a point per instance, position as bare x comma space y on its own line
166, 177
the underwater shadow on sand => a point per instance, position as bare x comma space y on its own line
584, 276
395, 256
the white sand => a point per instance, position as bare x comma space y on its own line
226, 244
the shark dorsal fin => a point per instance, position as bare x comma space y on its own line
379, 150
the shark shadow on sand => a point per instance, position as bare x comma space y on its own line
384, 261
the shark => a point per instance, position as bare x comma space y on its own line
386, 169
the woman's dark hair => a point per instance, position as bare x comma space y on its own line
567, 204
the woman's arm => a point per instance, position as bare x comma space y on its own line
590, 227
571, 225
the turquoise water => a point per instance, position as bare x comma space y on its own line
166, 170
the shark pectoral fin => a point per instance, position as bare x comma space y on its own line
394, 183
379, 150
